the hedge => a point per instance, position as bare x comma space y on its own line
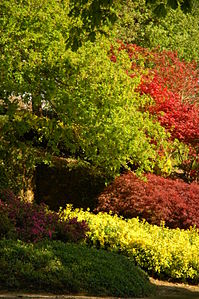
164, 253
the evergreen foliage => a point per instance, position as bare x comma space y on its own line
70, 268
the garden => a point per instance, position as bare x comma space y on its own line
111, 89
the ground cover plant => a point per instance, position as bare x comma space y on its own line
164, 253
69, 268
154, 199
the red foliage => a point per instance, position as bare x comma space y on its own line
179, 118
174, 86
158, 199
177, 75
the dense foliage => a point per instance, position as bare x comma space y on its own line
173, 85
57, 102
159, 24
69, 268
99, 119
164, 253
157, 199
35, 46
32, 223
68, 91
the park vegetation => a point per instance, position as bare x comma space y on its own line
114, 87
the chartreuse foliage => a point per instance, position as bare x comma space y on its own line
106, 112
70, 268
162, 252
99, 116
35, 41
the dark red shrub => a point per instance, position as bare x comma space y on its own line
157, 199
71, 230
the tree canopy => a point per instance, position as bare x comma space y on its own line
62, 94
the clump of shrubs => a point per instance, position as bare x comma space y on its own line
157, 199
32, 222
70, 268
164, 253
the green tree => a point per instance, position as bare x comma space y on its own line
57, 101
177, 29
35, 41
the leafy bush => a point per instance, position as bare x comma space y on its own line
32, 222
178, 31
7, 228
69, 268
177, 75
157, 199
71, 230
164, 253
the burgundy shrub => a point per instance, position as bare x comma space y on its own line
32, 222
157, 199
71, 230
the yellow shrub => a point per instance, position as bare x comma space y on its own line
166, 253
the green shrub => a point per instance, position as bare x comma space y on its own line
7, 228
164, 253
69, 268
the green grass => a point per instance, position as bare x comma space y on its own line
69, 268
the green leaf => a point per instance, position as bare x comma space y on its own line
173, 4
160, 10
